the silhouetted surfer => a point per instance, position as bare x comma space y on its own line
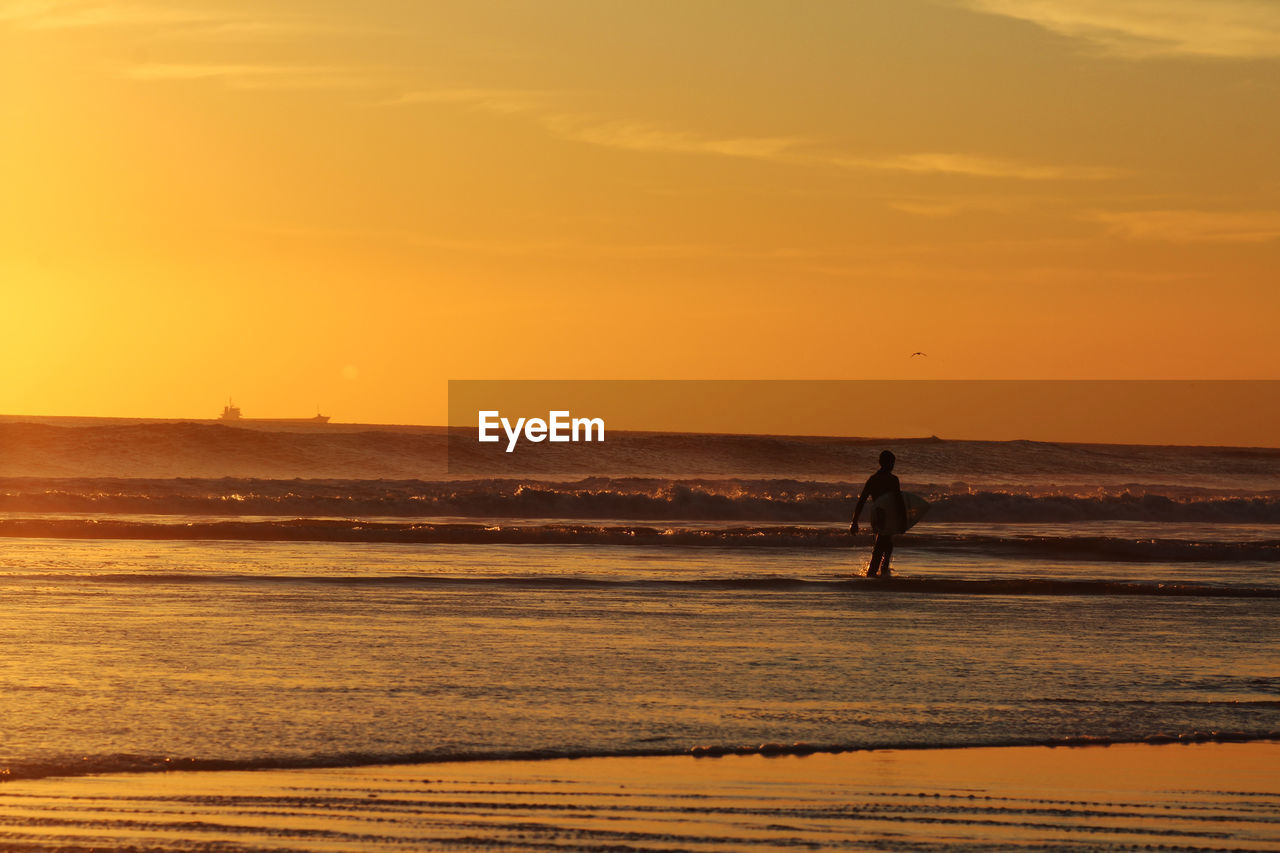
882, 482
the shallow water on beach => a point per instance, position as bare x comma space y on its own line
1204, 797
130, 654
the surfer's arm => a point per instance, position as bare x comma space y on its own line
857, 510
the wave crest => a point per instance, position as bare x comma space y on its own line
1090, 548
638, 499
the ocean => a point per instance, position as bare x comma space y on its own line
256, 599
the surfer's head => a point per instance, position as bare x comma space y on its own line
887, 459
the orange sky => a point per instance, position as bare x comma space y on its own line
312, 202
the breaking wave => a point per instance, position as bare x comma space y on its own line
1106, 548
641, 499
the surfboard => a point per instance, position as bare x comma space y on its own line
884, 512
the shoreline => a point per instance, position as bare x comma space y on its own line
1205, 796
146, 766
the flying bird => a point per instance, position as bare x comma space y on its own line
914, 354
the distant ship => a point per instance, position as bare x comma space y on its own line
231, 412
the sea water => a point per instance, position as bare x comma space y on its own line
1056, 595
128, 654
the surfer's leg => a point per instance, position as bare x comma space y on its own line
887, 551
879, 557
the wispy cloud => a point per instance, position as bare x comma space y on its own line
978, 167
938, 208
51, 15
256, 76
1192, 226
503, 101
638, 136
177, 71
1139, 29
603, 131
631, 135
169, 17
940, 261
559, 249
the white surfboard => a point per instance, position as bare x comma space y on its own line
884, 517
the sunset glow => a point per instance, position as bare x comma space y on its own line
345, 205
639, 424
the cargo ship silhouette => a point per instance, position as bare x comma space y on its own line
231, 412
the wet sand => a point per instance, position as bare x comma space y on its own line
1211, 796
